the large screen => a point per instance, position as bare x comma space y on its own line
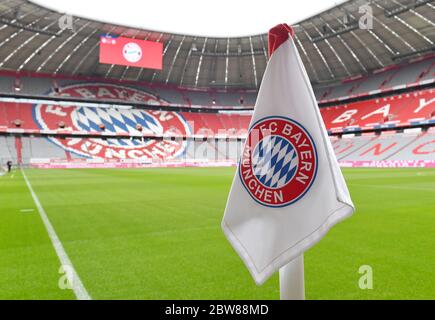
131, 52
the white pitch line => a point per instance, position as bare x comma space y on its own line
77, 285
27, 210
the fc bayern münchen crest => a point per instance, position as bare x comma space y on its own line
114, 121
132, 52
279, 162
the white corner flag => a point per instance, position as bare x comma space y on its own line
288, 190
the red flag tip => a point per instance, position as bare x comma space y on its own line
277, 36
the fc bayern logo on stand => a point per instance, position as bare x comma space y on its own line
279, 162
114, 121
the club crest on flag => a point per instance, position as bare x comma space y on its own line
288, 190
279, 162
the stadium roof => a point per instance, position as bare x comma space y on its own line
332, 45
188, 17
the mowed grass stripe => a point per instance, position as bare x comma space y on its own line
73, 278
29, 268
146, 233
155, 233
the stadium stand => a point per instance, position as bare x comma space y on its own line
391, 146
410, 109
348, 145
411, 74
44, 85
395, 111
380, 148
213, 135
214, 150
422, 148
40, 148
8, 149
388, 79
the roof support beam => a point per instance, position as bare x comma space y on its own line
183, 72
394, 33
14, 23
77, 47
333, 51
38, 51
363, 44
61, 46
22, 45
333, 33
85, 58
198, 69
432, 23
374, 35
139, 74
254, 66
406, 24
313, 70
13, 35
164, 53
404, 8
226, 62
331, 74
344, 43
174, 59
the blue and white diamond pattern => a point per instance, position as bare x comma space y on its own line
117, 121
274, 161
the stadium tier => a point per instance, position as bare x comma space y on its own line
415, 108
122, 133
402, 110
414, 149
155, 94
417, 73
387, 146
121, 121
394, 77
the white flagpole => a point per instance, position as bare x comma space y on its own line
291, 276
291, 280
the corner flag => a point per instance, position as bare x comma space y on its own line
288, 190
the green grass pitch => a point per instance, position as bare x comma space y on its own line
155, 234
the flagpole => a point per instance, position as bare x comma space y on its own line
291, 280
291, 276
